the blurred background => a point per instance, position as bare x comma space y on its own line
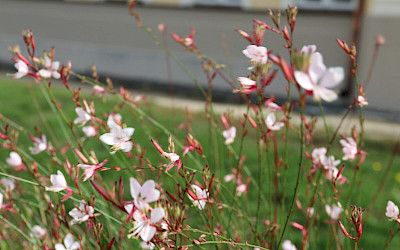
101, 32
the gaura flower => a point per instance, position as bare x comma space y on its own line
142, 195
40, 144
319, 79
199, 198
362, 101
22, 68
229, 135
256, 54
14, 160
69, 243
59, 184
247, 85
82, 213
99, 90
119, 138
51, 69
349, 148
392, 211
288, 245
1, 200
83, 116
144, 226
147, 245
89, 131
334, 212
9, 184
39, 232
272, 124
318, 156
91, 170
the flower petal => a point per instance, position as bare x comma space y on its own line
157, 214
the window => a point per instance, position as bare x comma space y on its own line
327, 4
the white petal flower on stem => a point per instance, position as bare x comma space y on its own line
362, 101
119, 138
91, 170
229, 135
392, 211
272, 124
40, 144
144, 225
51, 69
256, 54
83, 116
58, 181
69, 243
288, 245
247, 85
330, 162
142, 195
201, 197
9, 184
334, 212
22, 68
349, 148
89, 131
39, 232
319, 79
14, 160
82, 213
318, 155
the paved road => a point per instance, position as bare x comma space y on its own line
104, 34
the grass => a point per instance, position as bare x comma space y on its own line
22, 102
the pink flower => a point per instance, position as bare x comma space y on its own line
362, 101
142, 195
22, 68
248, 85
69, 243
329, 162
51, 69
98, 90
89, 131
392, 211
14, 160
200, 197
308, 49
91, 170
230, 135
288, 245
272, 124
256, 54
334, 212
144, 226
318, 156
349, 148
319, 79
40, 144
9, 184
82, 213
229, 177
39, 232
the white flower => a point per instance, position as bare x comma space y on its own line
14, 160
201, 195
229, 135
146, 245
51, 69
173, 157
40, 144
247, 85
144, 225
69, 243
288, 245
392, 211
81, 214
272, 124
142, 195
1, 200
256, 54
310, 211
22, 68
118, 137
329, 162
334, 212
318, 156
308, 49
58, 181
89, 131
349, 148
83, 116
320, 79
9, 184
362, 101
229, 177
39, 231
